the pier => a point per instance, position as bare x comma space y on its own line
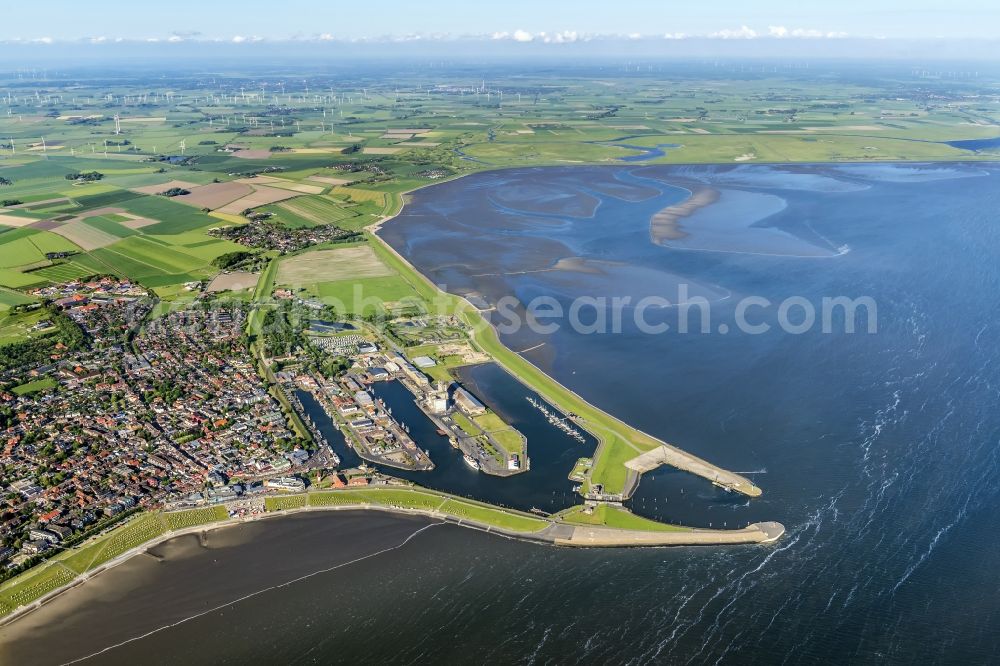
561, 422
666, 454
587, 536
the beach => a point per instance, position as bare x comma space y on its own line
666, 224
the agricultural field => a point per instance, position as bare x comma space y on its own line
354, 279
10, 298
347, 263
350, 168
319, 209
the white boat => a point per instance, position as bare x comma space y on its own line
470, 461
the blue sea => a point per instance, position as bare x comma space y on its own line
878, 450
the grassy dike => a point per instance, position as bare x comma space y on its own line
422, 500
93, 555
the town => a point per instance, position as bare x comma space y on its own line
173, 410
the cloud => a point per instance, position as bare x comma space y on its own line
183, 35
743, 32
674, 35
560, 37
42, 40
781, 32
414, 37
326, 37
564, 37
240, 39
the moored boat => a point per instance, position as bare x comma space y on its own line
470, 461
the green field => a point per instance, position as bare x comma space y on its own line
63, 271
612, 516
178, 520
15, 326
415, 499
319, 209
284, 502
30, 586
43, 384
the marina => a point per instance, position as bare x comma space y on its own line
560, 422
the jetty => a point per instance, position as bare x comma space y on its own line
665, 454
561, 422
587, 536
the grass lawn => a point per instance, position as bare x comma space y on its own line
464, 423
504, 435
11, 298
177, 520
406, 498
612, 516
284, 502
337, 498
16, 326
509, 439
403, 498
481, 513
365, 295
43, 384
35, 583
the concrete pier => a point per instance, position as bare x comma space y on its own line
671, 455
587, 536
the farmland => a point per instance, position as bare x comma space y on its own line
332, 265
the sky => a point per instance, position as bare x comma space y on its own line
517, 21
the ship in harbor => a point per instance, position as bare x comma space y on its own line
471, 462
